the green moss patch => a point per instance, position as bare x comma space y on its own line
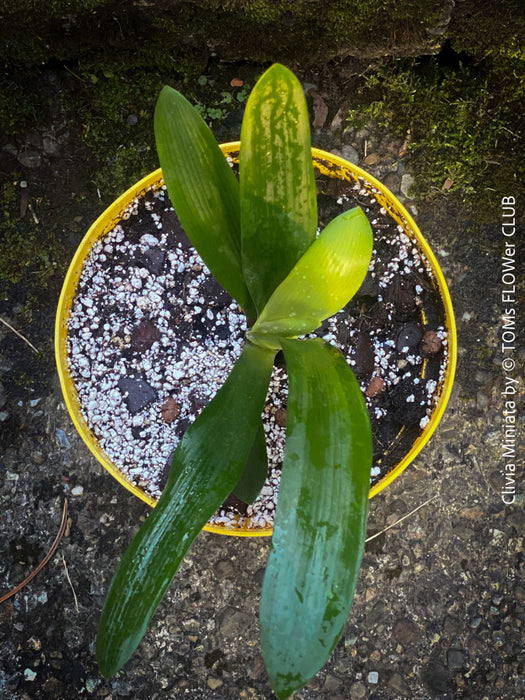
464, 121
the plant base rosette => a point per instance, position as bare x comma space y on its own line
258, 236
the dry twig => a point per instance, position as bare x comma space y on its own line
372, 537
44, 561
69, 581
8, 325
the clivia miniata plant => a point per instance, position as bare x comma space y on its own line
258, 236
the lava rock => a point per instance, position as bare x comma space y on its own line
405, 631
144, 335
364, 356
137, 393
154, 260
409, 336
281, 417
376, 386
170, 410
431, 344
401, 294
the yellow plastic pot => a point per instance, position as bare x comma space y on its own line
329, 165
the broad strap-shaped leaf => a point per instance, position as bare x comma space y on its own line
255, 470
321, 283
278, 196
203, 190
206, 466
321, 515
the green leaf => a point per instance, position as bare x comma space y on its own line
203, 189
278, 196
255, 471
206, 466
321, 283
321, 515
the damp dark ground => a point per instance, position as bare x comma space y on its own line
439, 606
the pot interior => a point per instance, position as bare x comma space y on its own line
404, 443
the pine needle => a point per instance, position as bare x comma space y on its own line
69, 581
8, 325
422, 505
44, 561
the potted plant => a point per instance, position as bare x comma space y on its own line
258, 236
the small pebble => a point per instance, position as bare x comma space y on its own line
357, 691
431, 343
373, 677
34, 643
29, 159
371, 159
376, 386
77, 491
92, 684
407, 181
455, 658
281, 417
350, 154
170, 410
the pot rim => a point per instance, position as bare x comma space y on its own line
112, 214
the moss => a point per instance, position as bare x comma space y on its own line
298, 31
19, 250
115, 114
115, 111
482, 28
21, 109
259, 11
30, 252
308, 32
54, 8
465, 120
